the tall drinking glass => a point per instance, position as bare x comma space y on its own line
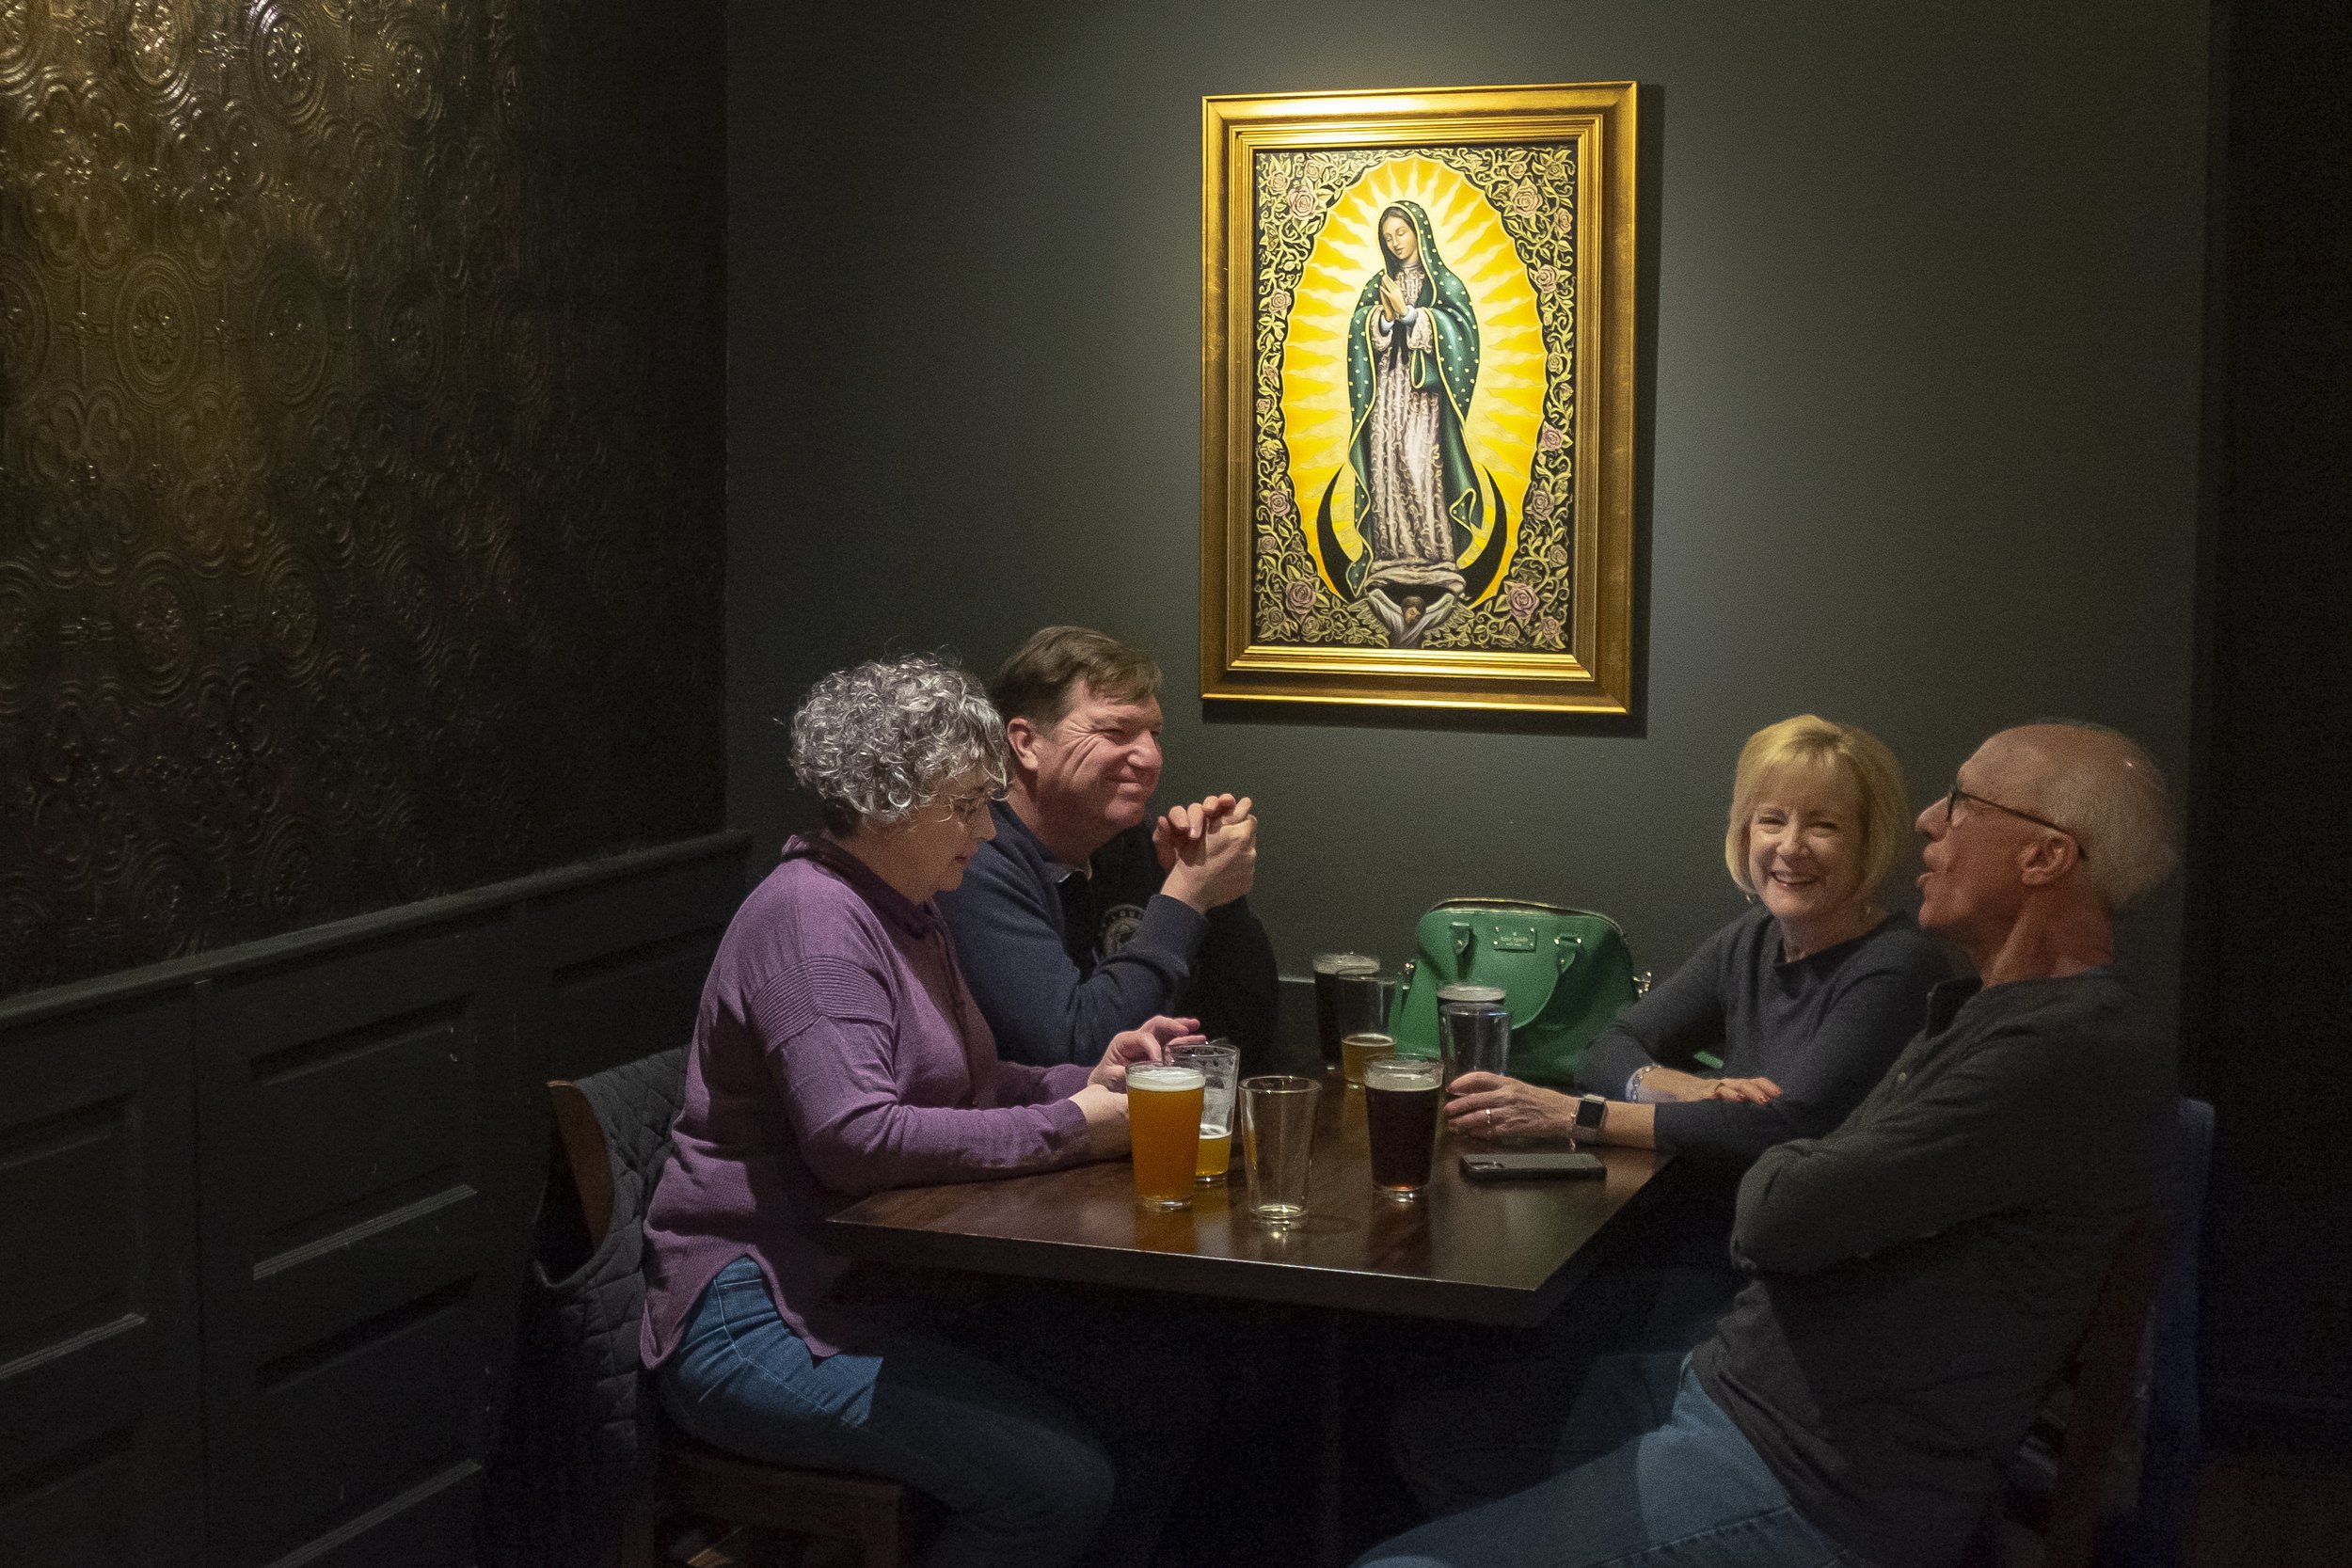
1401, 1096
1164, 1126
1329, 967
1220, 1069
1361, 1005
1278, 1121
1473, 1036
1356, 1050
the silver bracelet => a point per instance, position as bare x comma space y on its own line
1633, 1083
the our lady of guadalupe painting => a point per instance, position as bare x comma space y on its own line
1417, 454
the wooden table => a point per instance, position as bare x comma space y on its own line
1500, 1253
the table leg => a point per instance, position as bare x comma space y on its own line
1333, 1416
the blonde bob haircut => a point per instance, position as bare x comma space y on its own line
1810, 749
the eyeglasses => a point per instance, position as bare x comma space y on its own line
968, 809
1952, 802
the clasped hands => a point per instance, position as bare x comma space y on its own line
1208, 849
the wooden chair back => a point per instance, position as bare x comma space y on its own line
2105, 1389
878, 1518
580, 1136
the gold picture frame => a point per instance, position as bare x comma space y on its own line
1417, 384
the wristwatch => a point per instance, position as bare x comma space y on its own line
1590, 1109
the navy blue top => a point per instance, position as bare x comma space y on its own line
1824, 1028
1061, 959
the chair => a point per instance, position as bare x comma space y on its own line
2138, 1359
2155, 1532
877, 1520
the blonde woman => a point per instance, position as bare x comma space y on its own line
1805, 999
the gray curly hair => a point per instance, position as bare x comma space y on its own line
875, 740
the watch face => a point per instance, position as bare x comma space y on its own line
1590, 1109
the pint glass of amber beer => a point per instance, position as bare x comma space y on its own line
1164, 1126
1357, 1049
1337, 1015
1220, 1069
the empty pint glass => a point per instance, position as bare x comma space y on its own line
1220, 1071
1474, 1036
1401, 1096
1329, 968
1277, 1125
1164, 1126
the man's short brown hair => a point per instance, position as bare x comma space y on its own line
1041, 677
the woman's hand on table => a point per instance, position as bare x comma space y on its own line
1663, 1086
1748, 1092
1146, 1044
1497, 1108
1106, 1111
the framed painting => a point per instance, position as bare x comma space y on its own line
1417, 398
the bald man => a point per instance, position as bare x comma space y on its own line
1920, 1276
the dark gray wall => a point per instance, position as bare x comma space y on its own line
2271, 847
1924, 341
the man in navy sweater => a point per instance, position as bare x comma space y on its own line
1085, 915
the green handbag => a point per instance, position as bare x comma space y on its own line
1564, 975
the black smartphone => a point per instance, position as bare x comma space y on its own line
1531, 1166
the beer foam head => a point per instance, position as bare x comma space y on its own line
1346, 963
1402, 1072
1164, 1077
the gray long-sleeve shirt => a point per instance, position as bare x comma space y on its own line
1922, 1273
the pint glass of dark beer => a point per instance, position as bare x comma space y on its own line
1400, 1094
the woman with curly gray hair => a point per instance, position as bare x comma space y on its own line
838, 1052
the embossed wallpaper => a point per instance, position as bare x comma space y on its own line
361, 457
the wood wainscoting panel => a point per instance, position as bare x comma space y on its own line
265, 1214
101, 1443
613, 972
354, 1192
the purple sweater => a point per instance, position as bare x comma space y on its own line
837, 1053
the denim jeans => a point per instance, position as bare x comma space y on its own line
1649, 1471
1525, 1382
1023, 1482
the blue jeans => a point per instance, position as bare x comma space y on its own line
1649, 1471
1023, 1482
1441, 1422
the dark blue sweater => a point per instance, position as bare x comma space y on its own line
1922, 1273
1823, 1028
1061, 962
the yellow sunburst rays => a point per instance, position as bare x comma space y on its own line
1506, 407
